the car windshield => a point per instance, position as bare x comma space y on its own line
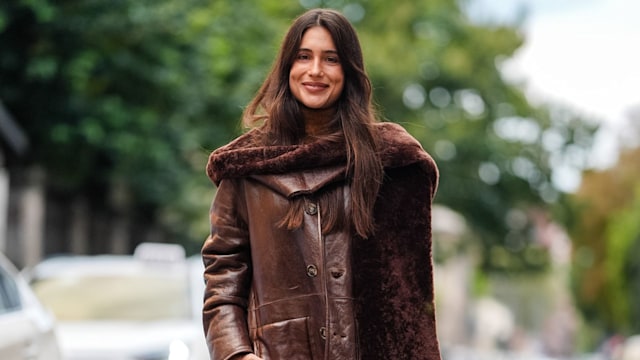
110, 297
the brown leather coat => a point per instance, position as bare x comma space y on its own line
305, 294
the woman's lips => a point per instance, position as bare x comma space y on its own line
315, 86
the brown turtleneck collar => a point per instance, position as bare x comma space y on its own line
318, 122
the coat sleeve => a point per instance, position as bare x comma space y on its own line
227, 274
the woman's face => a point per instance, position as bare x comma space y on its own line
316, 78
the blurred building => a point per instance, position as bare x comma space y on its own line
13, 142
37, 222
515, 313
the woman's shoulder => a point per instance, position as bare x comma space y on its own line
394, 132
395, 141
397, 148
248, 139
231, 156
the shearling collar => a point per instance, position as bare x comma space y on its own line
240, 158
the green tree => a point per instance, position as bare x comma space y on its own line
606, 270
129, 96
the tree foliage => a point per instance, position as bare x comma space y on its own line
606, 269
132, 95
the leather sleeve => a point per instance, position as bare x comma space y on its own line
227, 274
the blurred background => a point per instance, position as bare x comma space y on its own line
109, 109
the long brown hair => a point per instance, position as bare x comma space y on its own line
280, 114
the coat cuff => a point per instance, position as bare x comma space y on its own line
226, 332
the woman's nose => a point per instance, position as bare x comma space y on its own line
316, 68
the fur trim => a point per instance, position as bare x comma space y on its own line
240, 158
393, 272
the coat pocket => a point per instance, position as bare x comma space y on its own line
287, 339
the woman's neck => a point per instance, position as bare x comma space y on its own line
318, 122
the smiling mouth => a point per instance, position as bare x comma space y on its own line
315, 86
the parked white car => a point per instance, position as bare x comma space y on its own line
631, 348
27, 329
126, 307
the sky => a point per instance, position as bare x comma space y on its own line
580, 54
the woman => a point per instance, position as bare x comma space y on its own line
320, 244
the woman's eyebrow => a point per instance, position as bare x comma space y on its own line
323, 51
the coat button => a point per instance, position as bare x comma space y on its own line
312, 271
311, 209
323, 332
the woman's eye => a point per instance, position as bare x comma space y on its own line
303, 57
333, 59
